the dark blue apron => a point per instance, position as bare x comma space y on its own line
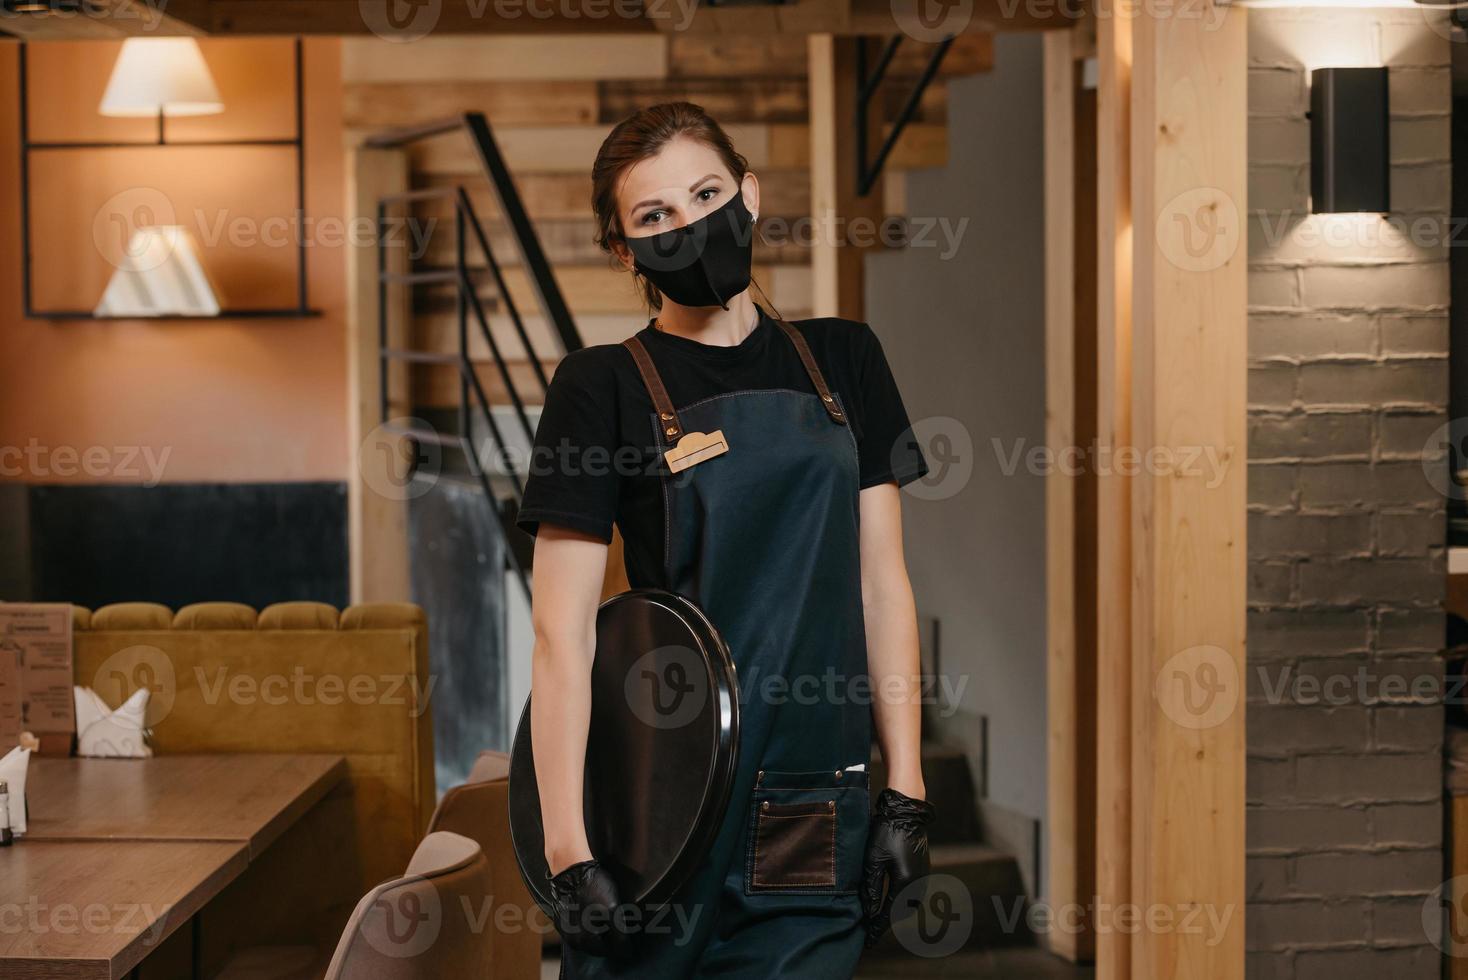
765, 539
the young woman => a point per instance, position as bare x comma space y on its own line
790, 541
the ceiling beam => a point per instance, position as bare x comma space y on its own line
101, 19
81, 19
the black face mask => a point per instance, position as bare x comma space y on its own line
704, 263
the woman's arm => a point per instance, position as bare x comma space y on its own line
569, 566
892, 638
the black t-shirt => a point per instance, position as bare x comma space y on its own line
594, 462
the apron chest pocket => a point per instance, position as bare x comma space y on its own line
806, 833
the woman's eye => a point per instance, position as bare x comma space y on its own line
708, 193
653, 217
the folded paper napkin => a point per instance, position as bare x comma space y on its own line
106, 734
12, 773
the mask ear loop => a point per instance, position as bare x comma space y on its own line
768, 302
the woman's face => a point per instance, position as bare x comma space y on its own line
681, 184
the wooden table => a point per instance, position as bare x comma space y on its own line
249, 798
121, 852
94, 909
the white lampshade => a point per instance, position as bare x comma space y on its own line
159, 275
160, 74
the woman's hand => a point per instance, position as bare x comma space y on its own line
897, 856
587, 908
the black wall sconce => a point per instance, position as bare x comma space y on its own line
1350, 167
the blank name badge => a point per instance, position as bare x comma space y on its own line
694, 448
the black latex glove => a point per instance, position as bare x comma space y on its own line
586, 904
897, 855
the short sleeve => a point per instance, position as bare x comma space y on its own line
887, 447
572, 480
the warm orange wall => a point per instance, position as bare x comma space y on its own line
226, 400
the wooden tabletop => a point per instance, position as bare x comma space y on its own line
91, 910
120, 852
248, 799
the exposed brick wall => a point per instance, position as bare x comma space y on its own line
1348, 379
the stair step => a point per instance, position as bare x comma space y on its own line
950, 789
988, 875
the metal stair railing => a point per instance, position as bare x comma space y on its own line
473, 403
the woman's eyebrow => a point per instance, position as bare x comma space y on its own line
693, 187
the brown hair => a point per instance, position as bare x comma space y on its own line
641, 135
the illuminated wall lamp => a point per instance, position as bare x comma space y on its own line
1350, 169
158, 77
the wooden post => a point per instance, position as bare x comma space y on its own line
1171, 356
377, 518
1070, 490
838, 213
1113, 500
1062, 800
1189, 289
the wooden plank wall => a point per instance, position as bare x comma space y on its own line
552, 100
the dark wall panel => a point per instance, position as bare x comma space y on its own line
459, 580
255, 543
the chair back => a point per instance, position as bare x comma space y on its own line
428, 924
480, 810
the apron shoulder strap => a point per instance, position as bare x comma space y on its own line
672, 428
811, 368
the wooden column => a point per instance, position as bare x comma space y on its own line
377, 518
1070, 490
837, 281
1171, 580
1189, 299
1113, 502
1063, 833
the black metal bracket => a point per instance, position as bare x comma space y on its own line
469, 233
27, 146
867, 85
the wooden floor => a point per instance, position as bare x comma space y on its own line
1016, 963
1021, 963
